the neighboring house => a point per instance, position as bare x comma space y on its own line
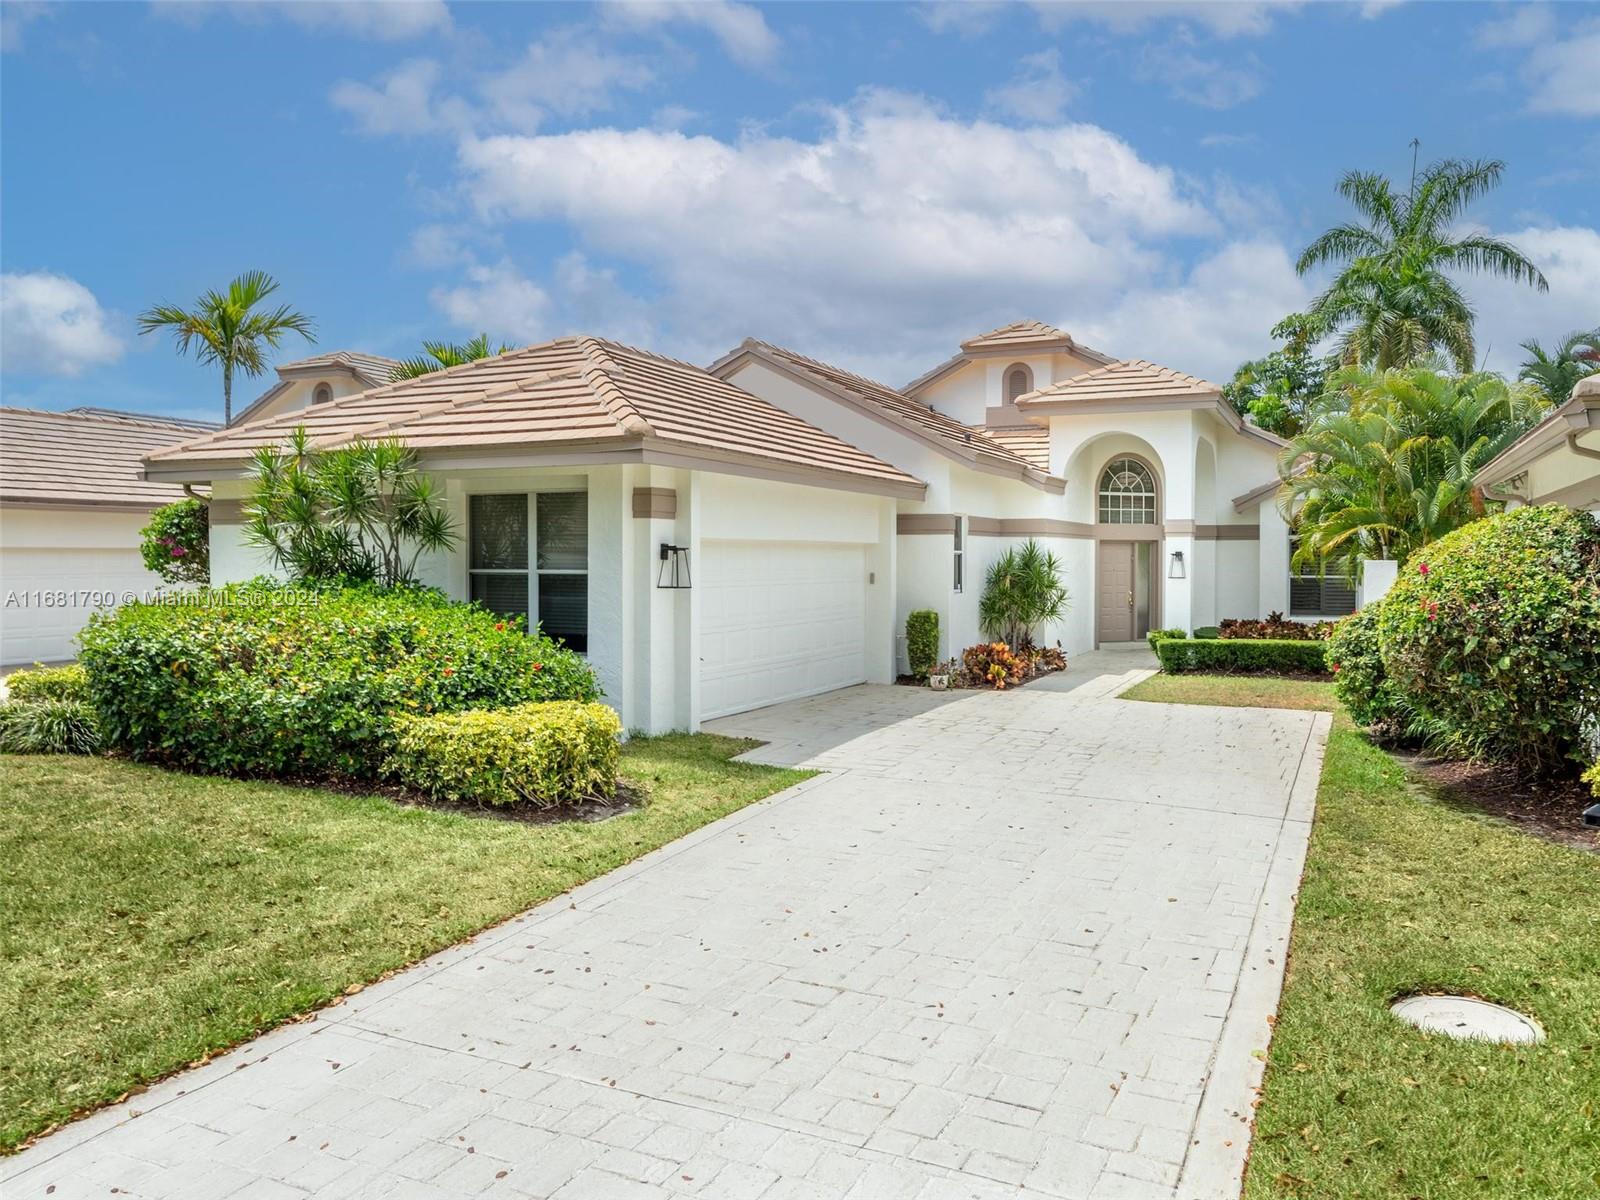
1555, 462
803, 510
72, 502
308, 381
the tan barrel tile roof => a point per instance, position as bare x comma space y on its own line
85, 456
1020, 334
573, 390
372, 369
950, 435
1029, 442
1133, 379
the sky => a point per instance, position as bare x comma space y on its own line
866, 183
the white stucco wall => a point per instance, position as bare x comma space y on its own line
299, 393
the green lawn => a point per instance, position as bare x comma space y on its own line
1238, 691
1403, 894
153, 917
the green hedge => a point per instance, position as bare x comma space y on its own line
260, 679
49, 683
1239, 656
1162, 635
49, 726
922, 642
541, 755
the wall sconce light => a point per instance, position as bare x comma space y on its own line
1175, 568
674, 570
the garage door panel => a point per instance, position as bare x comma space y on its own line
778, 621
32, 631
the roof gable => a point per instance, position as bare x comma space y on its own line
1019, 337
1132, 379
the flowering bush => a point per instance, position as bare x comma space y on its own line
993, 664
266, 680
1359, 680
1493, 631
1277, 628
176, 544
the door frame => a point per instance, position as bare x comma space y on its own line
1155, 577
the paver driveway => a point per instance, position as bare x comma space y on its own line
1017, 944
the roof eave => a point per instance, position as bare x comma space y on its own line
1576, 415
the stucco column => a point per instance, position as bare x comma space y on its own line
1273, 559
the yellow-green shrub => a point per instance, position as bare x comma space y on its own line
542, 755
49, 683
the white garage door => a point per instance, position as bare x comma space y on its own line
49, 594
779, 620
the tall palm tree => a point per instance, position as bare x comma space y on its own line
1386, 463
1393, 297
225, 327
1557, 374
439, 355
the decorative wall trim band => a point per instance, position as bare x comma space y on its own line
226, 512
1050, 527
661, 503
925, 523
1214, 533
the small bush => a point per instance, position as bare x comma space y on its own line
1161, 635
176, 545
1241, 656
1276, 628
1359, 680
542, 755
262, 679
50, 726
1049, 658
922, 642
992, 664
1208, 631
1493, 631
1592, 778
49, 683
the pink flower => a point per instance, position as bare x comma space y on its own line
1423, 569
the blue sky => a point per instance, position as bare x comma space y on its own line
868, 183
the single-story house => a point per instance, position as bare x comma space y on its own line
1555, 462
73, 498
724, 538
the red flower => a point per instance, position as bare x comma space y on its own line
448, 671
538, 666
499, 626
1423, 569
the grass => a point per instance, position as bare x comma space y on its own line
1236, 691
1403, 894
152, 918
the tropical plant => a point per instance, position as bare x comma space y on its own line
1277, 392
922, 642
1393, 297
1022, 591
176, 544
437, 356
1386, 462
1555, 375
362, 512
48, 727
228, 328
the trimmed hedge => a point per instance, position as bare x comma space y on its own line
262, 679
1493, 631
541, 755
49, 683
922, 642
48, 726
1162, 635
1241, 656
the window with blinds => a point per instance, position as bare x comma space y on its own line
1318, 595
529, 557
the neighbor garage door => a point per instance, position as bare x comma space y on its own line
779, 620
49, 595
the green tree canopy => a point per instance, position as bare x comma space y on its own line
230, 328
437, 356
1393, 301
1555, 375
1278, 391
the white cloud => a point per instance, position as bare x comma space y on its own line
53, 325
965, 17
1039, 92
16, 16
1223, 18
1213, 140
1205, 322
403, 103
741, 28
1208, 82
566, 72
498, 300
1560, 68
381, 20
1509, 314
1371, 10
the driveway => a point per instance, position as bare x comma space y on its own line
1012, 945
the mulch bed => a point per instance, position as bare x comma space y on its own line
1548, 809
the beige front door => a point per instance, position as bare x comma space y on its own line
1114, 592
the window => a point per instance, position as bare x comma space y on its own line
321, 394
550, 585
1019, 382
1318, 595
1127, 493
960, 552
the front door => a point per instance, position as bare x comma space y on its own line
1114, 592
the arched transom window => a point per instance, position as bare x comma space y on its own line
1019, 382
1127, 493
321, 394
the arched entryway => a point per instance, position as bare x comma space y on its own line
1127, 533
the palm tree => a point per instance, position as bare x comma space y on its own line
439, 355
1386, 463
224, 327
1557, 374
1393, 296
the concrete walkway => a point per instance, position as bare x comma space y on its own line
1014, 945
